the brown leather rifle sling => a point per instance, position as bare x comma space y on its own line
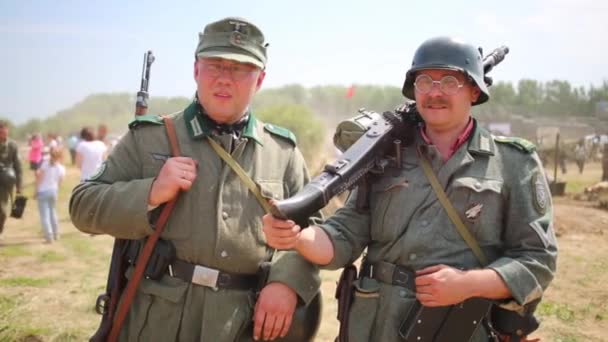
140, 266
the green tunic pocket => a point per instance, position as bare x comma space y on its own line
388, 199
363, 310
479, 203
157, 310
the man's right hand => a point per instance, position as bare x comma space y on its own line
280, 234
177, 174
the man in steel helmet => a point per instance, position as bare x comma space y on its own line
415, 253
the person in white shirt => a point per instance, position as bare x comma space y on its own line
90, 153
48, 178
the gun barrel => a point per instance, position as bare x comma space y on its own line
494, 58
141, 104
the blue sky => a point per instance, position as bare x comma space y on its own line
54, 53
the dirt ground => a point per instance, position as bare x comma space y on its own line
47, 291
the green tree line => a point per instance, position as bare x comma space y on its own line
306, 110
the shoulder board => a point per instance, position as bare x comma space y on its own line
281, 131
145, 119
519, 143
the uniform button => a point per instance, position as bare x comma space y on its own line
224, 215
413, 256
424, 223
224, 254
477, 185
402, 293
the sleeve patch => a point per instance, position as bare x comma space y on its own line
98, 173
540, 193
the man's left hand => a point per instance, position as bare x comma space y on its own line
274, 311
441, 285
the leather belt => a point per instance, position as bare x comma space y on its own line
210, 277
390, 274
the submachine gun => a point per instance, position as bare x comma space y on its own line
371, 143
107, 302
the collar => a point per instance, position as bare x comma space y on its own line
462, 138
198, 127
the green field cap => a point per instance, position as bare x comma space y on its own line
233, 38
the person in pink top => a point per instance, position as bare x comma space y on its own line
35, 155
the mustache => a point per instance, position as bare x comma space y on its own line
436, 101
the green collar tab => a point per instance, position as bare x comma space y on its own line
145, 119
199, 128
479, 143
281, 131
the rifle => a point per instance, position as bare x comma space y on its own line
107, 302
372, 143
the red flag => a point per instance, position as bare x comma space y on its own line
350, 92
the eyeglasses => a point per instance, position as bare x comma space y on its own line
449, 84
235, 71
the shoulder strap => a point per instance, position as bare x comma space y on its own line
241, 173
247, 181
452, 214
142, 261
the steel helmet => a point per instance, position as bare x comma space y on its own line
450, 54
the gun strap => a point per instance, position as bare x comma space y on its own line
449, 208
234, 165
131, 288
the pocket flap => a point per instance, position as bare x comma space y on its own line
479, 184
271, 189
390, 183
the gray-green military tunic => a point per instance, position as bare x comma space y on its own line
498, 187
217, 223
10, 176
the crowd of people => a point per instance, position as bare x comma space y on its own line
87, 148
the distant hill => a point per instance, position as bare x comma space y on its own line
544, 104
114, 110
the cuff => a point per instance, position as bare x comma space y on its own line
520, 281
291, 269
342, 248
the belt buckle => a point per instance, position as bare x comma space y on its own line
205, 276
402, 277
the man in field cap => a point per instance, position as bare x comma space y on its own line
209, 291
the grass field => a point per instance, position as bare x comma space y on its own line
47, 291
